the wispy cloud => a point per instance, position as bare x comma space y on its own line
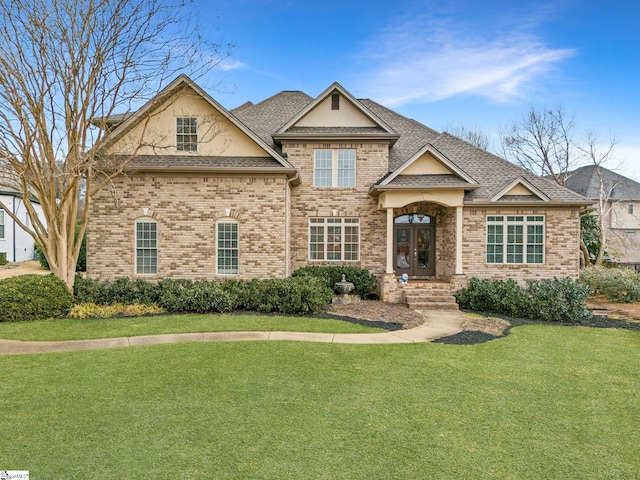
429, 59
227, 64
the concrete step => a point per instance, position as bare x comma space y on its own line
430, 298
433, 306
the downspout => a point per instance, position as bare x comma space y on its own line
287, 224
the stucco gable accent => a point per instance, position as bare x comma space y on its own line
352, 113
520, 187
181, 84
429, 160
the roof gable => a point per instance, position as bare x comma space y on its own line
227, 134
520, 188
333, 110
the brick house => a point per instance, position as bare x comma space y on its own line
266, 188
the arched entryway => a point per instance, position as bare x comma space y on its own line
415, 245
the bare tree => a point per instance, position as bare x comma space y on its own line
475, 137
66, 66
542, 142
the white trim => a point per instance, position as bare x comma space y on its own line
135, 246
335, 154
524, 223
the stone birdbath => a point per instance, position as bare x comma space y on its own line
343, 289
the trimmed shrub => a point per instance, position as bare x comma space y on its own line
552, 300
364, 282
33, 297
3, 258
505, 297
616, 284
92, 310
121, 290
558, 300
186, 296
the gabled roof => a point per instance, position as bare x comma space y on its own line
180, 84
523, 182
379, 129
586, 181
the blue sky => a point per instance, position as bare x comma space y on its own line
477, 64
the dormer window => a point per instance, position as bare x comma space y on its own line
335, 101
187, 134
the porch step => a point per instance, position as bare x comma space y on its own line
429, 296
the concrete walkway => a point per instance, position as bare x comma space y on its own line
437, 324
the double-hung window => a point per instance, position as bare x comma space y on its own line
146, 247
334, 239
515, 239
187, 134
227, 248
334, 168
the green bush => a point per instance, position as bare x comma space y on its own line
616, 284
557, 300
186, 296
3, 258
364, 282
505, 297
33, 297
549, 300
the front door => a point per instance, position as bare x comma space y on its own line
415, 245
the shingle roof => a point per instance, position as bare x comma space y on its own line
585, 181
430, 181
197, 161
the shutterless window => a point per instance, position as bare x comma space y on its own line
334, 239
515, 239
146, 247
187, 134
630, 209
227, 248
1, 223
334, 168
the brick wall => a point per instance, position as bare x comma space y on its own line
562, 243
186, 208
309, 201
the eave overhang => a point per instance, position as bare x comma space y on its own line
347, 137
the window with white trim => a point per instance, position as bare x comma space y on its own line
515, 239
187, 134
334, 239
1, 224
227, 247
146, 247
334, 168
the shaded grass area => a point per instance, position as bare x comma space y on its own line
543, 402
82, 329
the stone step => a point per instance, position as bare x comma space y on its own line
433, 306
430, 298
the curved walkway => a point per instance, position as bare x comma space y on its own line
437, 324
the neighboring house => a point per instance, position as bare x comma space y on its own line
14, 241
622, 209
266, 188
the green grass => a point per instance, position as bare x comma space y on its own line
82, 329
544, 402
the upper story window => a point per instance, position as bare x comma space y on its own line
631, 209
335, 101
515, 239
146, 247
334, 168
1, 224
187, 134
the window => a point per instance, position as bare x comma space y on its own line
335, 101
631, 209
187, 134
1, 224
227, 248
334, 239
334, 168
515, 239
146, 247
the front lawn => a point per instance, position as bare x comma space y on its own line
82, 329
543, 402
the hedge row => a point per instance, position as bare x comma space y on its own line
552, 300
289, 295
364, 282
616, 284
33, 297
